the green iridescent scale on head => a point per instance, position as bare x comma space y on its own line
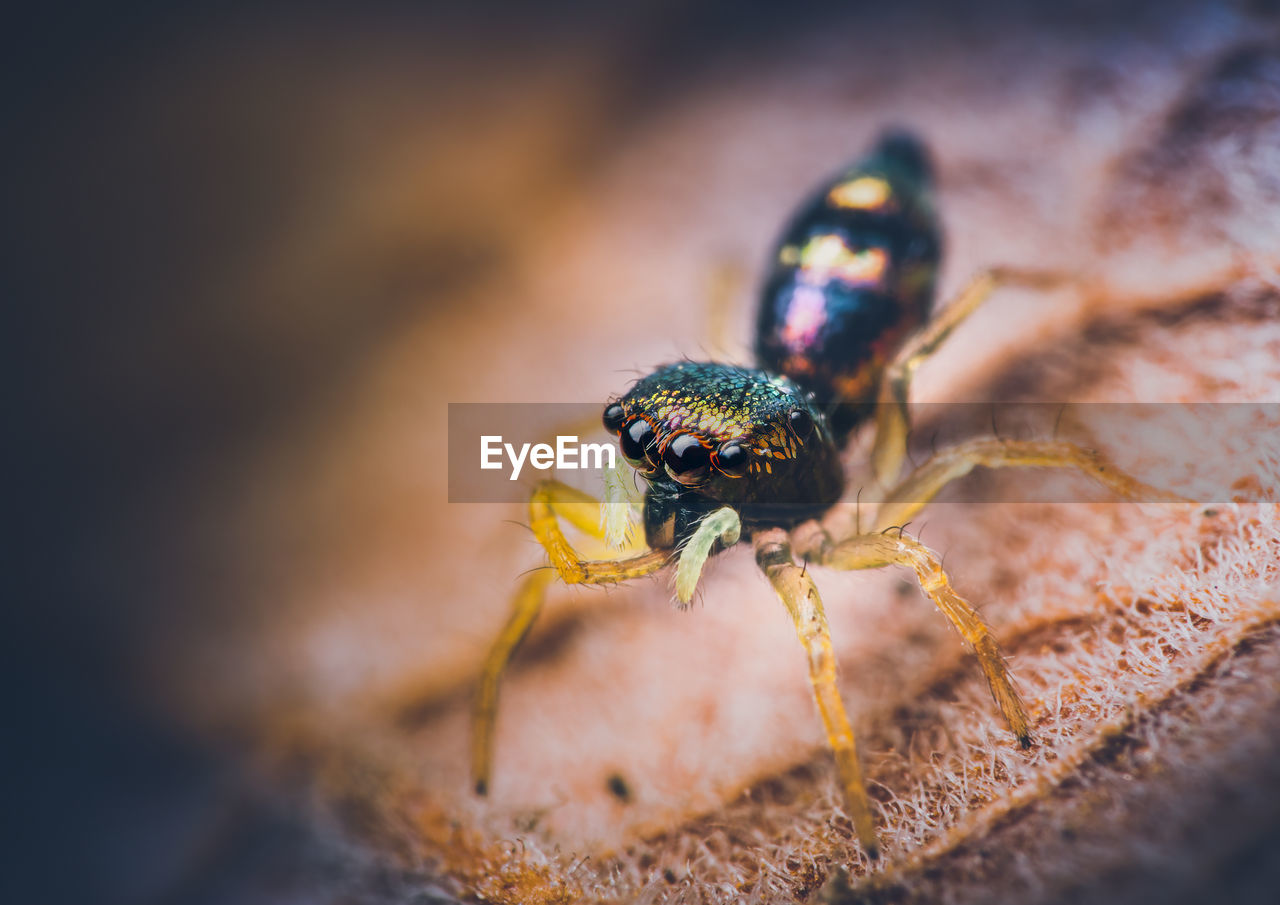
733, 435
718, 403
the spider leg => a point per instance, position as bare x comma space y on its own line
724, 288
524, 610
550, 500
798, 593
923, 484
872, 551
893, 421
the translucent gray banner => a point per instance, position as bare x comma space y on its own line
1208, 453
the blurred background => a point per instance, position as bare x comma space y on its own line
256, 250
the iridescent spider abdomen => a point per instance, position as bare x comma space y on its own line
853, 276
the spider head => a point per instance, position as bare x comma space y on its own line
708, 435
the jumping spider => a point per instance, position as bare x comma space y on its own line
731, 453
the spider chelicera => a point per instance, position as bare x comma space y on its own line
733, 453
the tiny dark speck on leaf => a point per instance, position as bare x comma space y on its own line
618, 788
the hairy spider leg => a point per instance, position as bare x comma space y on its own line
923, 484
799, 594
524, 609
893, 420
550, 501
724, 287
872, 551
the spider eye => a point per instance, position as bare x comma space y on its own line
802, 424
613, 418
638, 445
731, 458
687, 460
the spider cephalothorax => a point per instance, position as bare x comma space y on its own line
707, 435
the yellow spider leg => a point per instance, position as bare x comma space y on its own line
893, 421
871, 551
798, 592
724, 287
923, 484
524, 609
549, 500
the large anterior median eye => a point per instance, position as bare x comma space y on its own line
686, 459
732, 458
637, 441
